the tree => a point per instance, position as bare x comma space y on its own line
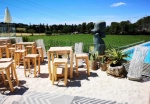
31, 31
83, 27
124, 27
89, 27
115, 28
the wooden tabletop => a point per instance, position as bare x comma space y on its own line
25, 43
52, 49
5, 59
5, 65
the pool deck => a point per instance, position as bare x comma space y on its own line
99, 85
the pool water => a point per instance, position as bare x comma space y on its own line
147, 58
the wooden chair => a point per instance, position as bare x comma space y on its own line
34, 58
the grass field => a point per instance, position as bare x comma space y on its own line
110, 40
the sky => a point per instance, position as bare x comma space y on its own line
74, 11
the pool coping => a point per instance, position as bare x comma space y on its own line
135, 46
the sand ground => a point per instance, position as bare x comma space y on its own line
98, 85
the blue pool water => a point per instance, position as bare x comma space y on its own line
147, 58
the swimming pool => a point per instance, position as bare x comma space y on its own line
131, 50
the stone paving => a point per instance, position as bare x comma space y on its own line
98, 85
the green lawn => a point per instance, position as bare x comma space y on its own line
110, 40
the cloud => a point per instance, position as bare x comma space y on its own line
118, 4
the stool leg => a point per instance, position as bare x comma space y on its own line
87, 64
7, 53
66, 73
42, 55
15, 57
15, 74
9, 80
1, 53
39, 65
35, 67
53, 74
4, 80
76, 66
19, 59
28, 61
25, 67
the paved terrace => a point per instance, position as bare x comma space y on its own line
99, 85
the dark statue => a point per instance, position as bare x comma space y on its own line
99, 33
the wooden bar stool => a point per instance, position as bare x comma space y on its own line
1, 54
56, 63
11, 52
5, 67
5, 60
85, 57
4, 49
31, 49
34, 58
18, 55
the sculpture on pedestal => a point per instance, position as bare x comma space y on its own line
99, 33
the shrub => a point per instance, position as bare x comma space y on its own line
25, 39
48, 33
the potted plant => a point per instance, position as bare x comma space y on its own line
104, 62
117, 58
94, 59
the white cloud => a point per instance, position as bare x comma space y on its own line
118, 4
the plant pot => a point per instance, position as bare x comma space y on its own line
117, 71
103, 66
93, 65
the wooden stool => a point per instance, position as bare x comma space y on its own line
30, 49
34, 58
18, 55
82, 56
11, 52
5, 67
5, 60
56, 63
2, 49
40, 50
1, 54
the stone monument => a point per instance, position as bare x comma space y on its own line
99, 33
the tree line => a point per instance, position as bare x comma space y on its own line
141, 27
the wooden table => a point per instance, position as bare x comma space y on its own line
27, 43
53, 50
